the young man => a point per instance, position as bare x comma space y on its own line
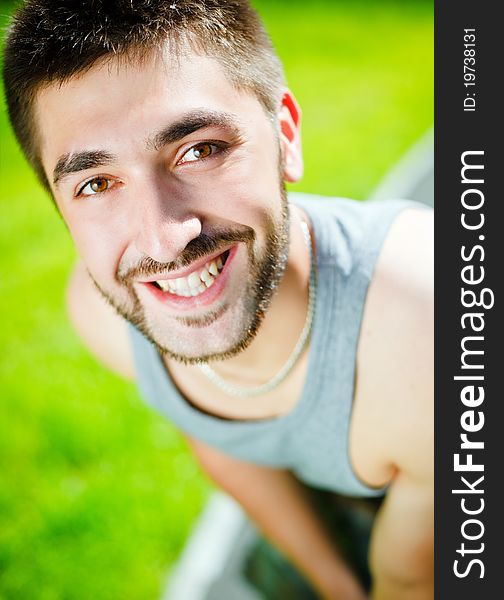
288, 340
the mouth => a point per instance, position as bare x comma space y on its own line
197, 281
198, 287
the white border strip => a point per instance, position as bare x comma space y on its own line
207, 550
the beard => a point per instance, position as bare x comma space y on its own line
264, 274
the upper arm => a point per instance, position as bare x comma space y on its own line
396, 349
101, 329
399, 354
410, 272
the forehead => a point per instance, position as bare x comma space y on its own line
115, 104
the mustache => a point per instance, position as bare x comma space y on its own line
197, 248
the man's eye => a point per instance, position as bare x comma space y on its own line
199, 152
97, 185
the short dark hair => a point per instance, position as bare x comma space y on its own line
50, 41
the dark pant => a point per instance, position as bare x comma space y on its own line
349, 522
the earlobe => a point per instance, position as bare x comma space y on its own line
289, 118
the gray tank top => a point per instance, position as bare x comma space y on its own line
312, 439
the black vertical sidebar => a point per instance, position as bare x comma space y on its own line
469, 254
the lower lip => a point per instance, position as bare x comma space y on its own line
205, 298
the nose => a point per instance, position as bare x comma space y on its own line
164, 224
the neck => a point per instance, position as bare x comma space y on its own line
284, 320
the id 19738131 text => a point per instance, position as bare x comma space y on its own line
469, 70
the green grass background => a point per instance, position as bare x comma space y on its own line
97, 493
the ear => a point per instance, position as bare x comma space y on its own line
289, 118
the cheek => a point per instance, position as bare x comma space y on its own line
100, 244
249, 190
263, 181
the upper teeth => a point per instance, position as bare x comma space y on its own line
196, 282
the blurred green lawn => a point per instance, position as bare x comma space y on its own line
96, 492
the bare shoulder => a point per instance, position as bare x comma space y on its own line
407, 258
396, 347
101, 329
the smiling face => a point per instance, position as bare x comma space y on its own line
169, 181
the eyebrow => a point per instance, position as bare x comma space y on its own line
80, 161
192, 121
